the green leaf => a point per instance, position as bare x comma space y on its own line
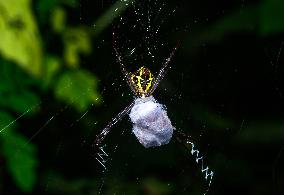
44, 7
52, 65
78, 88
19, 35
6, 122
20, 155
15, 87
272, 17
72, 3
76, 41
22, 101
58, 19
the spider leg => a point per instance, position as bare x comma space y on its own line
100, 137
122, 66
164, 69
185, 140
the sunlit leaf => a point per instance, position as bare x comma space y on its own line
79, 89
20, 155
76, 41
58, 19
19, 36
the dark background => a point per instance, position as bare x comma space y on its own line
224, 90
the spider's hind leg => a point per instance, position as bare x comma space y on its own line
101, 155
102, 135
185, 140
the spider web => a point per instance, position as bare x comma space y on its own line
148, 37
144, 34
140, 45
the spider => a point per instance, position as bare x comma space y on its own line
151, 124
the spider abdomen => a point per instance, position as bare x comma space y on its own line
151, 124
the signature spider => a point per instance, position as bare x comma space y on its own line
151, 124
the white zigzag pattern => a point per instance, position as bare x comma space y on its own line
102, 157
199, 160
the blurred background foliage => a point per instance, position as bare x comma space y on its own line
58, 74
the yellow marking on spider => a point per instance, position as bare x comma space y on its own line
140, 88
150, 82
142, 79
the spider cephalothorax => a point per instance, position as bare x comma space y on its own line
142, 81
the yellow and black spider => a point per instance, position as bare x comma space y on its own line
151, 124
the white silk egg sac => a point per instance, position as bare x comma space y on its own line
151, 124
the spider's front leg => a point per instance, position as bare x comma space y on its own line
163, 70
122, 66
100, 137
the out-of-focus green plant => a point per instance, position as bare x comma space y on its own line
76, 41
264, 19
44, 7
15, 88
58, 20
71, 84
16, 97
22, 49
76, 84
271, 17
22, 44
20, 155
155, 186
19, 36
